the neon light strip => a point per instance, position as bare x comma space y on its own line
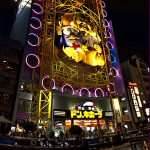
33, 67
32, 34
62, 89
36, 4
84, 89
40, 24
100, 90
43, 83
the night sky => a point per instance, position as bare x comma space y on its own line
129, 19
130, 23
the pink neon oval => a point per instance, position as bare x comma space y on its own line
31, 36
39, 7
46, 77
101, 92
37, 21
62, 89
28, 64
86, 90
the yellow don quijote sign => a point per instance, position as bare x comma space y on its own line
78, 114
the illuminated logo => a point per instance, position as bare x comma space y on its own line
77, 114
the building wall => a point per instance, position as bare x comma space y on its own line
135, 71
10, 57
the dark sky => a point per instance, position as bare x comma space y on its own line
129, 18
130, 23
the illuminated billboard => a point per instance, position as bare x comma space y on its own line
135, 97
79, 40
79, 114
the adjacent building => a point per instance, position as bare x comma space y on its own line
10, 57
135, 73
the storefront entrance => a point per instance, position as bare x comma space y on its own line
87, 125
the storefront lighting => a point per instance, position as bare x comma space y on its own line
80, 92
39, 7
101, 92
28, 64
36, 37
62, 89
38, 21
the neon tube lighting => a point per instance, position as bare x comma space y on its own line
104, 21
110, 44
100, 90
62, 89
110, 73
46, 77
113, 86
38, 39
86, 90
33, 67
40, 24
102, 4
108, 34
36, 4
105, 13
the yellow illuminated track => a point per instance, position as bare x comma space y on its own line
58, 69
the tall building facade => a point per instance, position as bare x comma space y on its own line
10, 58
70, 70
136, 77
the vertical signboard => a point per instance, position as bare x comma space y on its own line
135, 97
